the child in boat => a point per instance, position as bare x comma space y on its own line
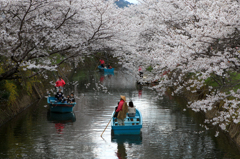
109, 66
72, 99
68, 99
131, 110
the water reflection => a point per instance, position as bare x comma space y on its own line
139, 88
122, 141
60, 119
167, 131
130, 139
104, 75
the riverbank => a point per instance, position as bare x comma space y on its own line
29, 92
232, 131
20, 94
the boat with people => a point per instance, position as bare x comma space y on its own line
59, 107
132, 125
105, 69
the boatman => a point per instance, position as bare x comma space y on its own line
122, 110
60, 84
140, 71
102, 63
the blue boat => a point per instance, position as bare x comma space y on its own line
132, 125
105, 69
60, 107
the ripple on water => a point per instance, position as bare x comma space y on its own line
167, 131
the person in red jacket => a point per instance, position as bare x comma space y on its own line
60, 84
102, 62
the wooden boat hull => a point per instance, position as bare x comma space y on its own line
132, 125
105, 69
59, 107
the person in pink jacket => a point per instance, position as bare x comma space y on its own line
60, 84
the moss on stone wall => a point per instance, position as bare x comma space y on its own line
17, 95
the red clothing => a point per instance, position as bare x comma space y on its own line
101, 78
110, 67
59, 127
140, 69
102, 62
60, 83
120, 105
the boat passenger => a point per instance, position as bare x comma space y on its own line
58, 95
72, 99
109, 66
102, 63
60, 83
122, 110
131, 110
62, 99
68, 99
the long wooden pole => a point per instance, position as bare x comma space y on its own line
106, 126
108, 123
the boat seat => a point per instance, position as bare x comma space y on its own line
127, 124
128, 121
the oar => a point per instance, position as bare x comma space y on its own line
107, 124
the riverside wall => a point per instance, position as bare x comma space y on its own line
233, 130
24, 99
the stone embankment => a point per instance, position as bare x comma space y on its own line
232, 130
25, 99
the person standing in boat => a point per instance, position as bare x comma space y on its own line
140, 71
122, 110
60, 83
131, 110
102, 63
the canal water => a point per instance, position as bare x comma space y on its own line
168, 131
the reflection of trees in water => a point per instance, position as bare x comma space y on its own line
121, 152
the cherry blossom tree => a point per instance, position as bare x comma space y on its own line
189, 43
46, 33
